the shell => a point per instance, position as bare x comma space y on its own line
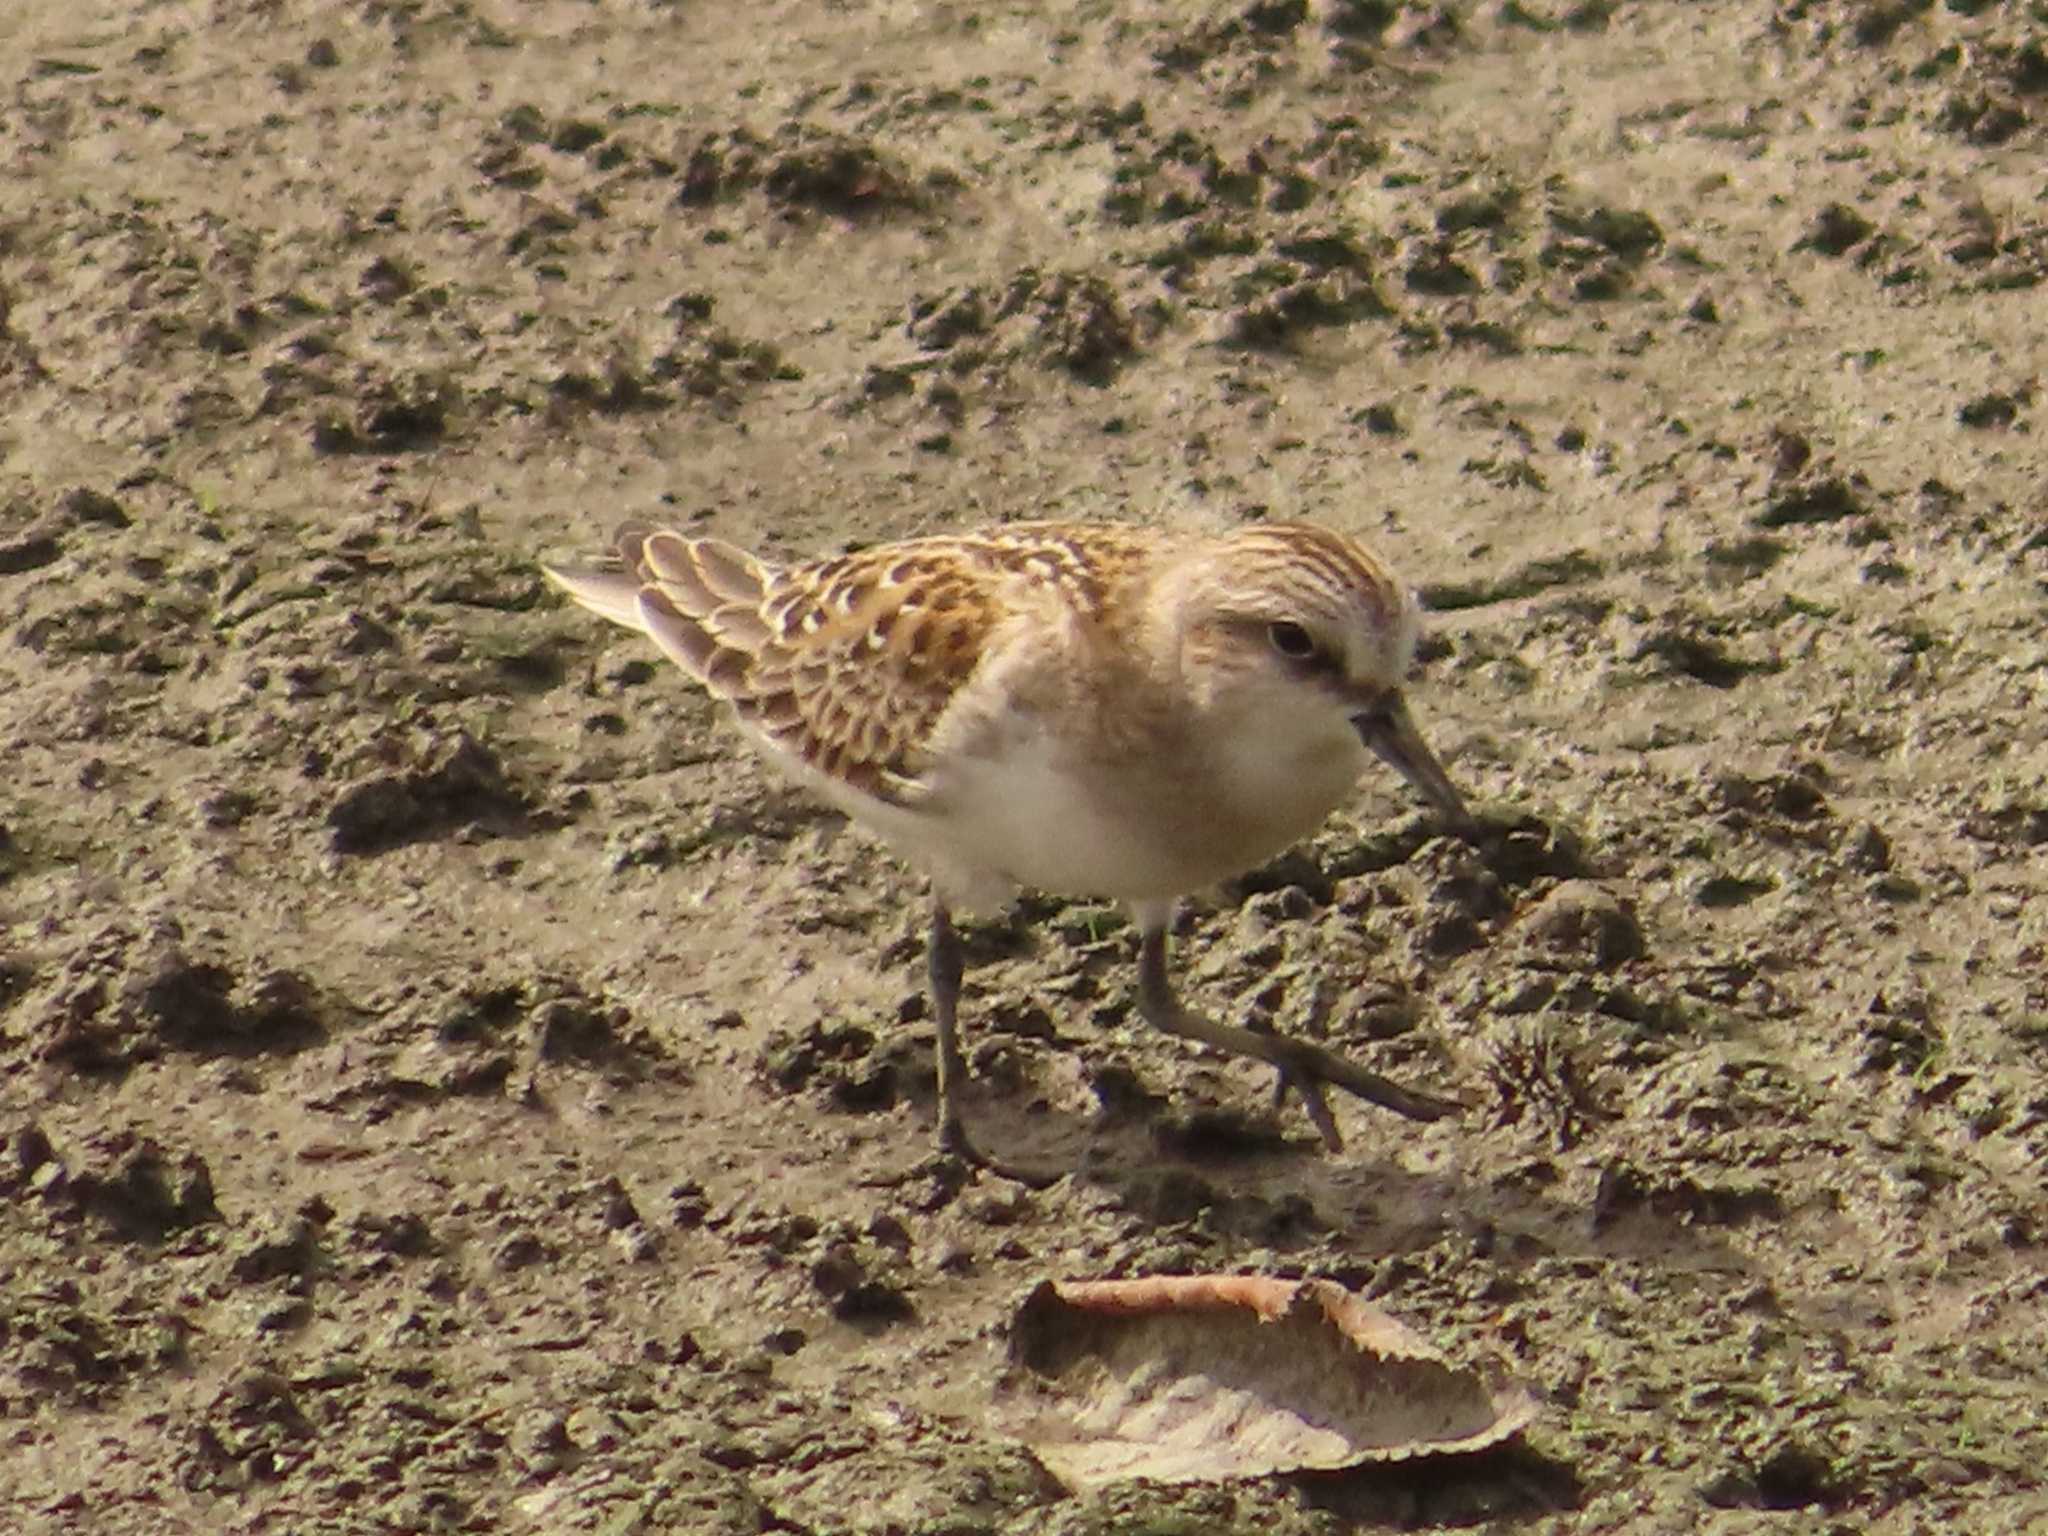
1210, 1377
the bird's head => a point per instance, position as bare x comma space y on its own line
1299, 630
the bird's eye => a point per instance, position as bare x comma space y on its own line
1291, 640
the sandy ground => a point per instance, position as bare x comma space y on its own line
446, 1085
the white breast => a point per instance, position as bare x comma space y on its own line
1042, 815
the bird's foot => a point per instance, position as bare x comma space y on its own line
1313, 1101
955, 1142
1309, 1069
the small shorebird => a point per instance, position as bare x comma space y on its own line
1087, 710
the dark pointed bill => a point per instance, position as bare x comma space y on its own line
1388, 729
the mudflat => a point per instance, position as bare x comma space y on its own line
446, 1084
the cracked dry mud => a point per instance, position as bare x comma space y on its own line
446, 1085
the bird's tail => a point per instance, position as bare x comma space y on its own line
699, 599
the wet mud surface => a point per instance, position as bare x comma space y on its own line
446, 1085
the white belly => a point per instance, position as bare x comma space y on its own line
1126, 832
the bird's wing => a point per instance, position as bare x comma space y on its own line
845, 665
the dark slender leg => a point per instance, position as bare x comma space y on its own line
945, 966
1303, 1067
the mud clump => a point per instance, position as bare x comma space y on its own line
863, 1282
124, 999
255, 1432
802, 170
198, 1006
131, 1186
1581, 923
460, 784
487, 1039
1625, 1188
1817, 494
574, 1028
845, 1060
28, 552
1081, 324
